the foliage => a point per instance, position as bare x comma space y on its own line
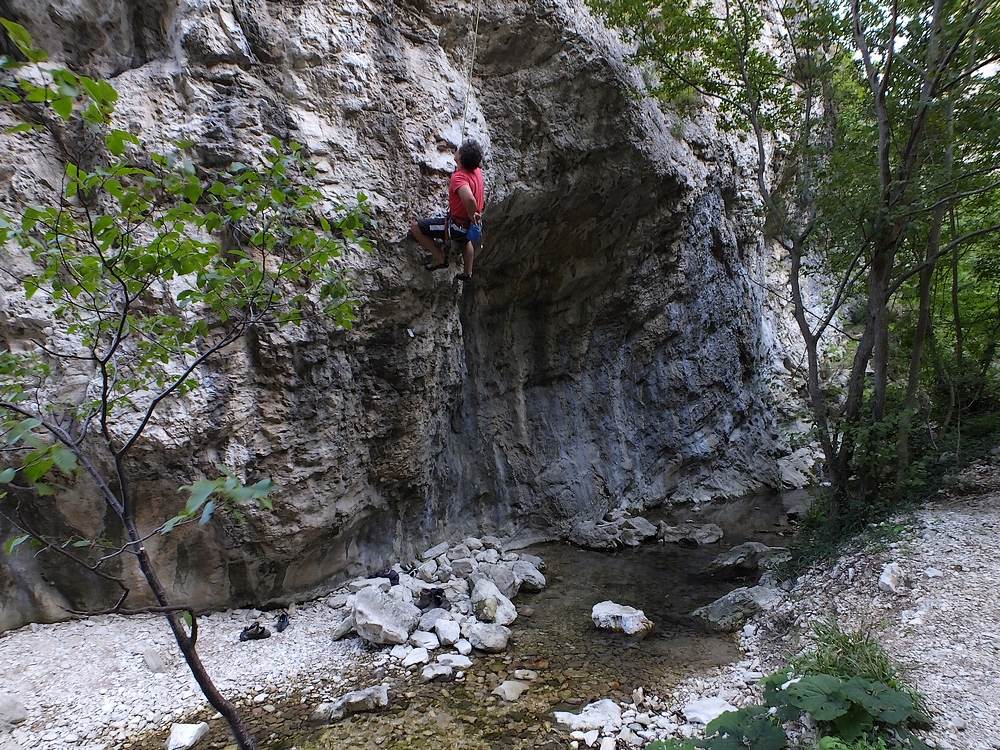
753, 727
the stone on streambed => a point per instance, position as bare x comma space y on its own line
436, 671
487, 637
603, 713
689, 534
416, 656
463, 647
617, 529
355, 702
727, 613
456, 661
620, 618
704, 710
184, 736
490, 605
531, 579
510, 690
422, 639
383, 618
747, 558
503, 578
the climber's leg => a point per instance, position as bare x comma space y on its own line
468, 256
425, 231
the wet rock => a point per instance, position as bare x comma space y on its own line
689, 534
437, 549
12, 711
534, 560
530, 577
357, 701
704, 710
746, 559
490, 605
603, 713
510, 690
184, 736
423, 639
381, 618
487, 637
448, 631
619, 618
892, 579
727, 613
436, 672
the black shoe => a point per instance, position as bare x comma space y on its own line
282, 622
464, 277
254, 633
431, 266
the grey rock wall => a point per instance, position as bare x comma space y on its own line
612, 351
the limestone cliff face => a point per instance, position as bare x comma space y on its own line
613, 350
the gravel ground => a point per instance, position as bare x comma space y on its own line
943, 625
86, 684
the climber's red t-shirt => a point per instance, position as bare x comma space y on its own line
474, 180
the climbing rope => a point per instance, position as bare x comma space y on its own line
472, 64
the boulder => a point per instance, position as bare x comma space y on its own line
384, 619
464, 647
503, 577
382, 584
727, 613
689, 534
448, 631
400, 651
463, 566
427, 571
473, 543
488, 555
510, 690
458, 552
490, 605
431, 616
343, 626
528, 575
747, 559
600, 535
704, 710
603, 713
634, 531
355, 702
620, 618
416, 656
492, 542
487, 637
437, 549
535, 560
183, 736
12, 711
423, 639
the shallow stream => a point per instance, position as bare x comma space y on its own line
575, 662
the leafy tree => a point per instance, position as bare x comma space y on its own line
150, 268
874, 163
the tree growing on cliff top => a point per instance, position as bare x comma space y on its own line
149, 268
867, 120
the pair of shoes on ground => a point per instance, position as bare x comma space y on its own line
257, 632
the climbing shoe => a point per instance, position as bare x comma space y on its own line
254, 632
463, 277
432, 266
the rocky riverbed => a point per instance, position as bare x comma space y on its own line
116, 682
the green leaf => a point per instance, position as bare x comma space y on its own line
200, 491
63, 105
65, 459
18, 34
206, 514
188, 619
14, 542
7, 475
116, 140
22, 428
23, 127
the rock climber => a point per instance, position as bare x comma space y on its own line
466, 200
